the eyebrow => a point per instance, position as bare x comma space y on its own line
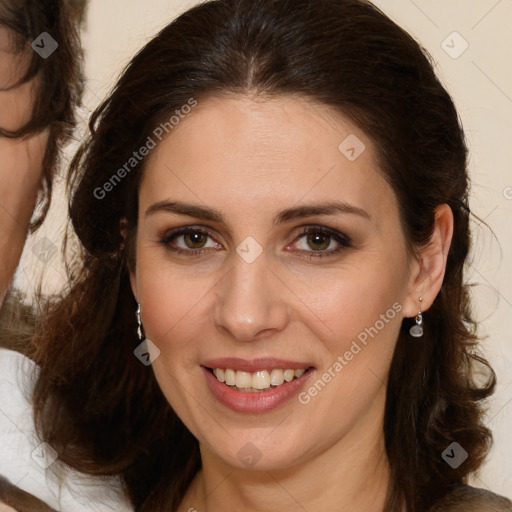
295, 212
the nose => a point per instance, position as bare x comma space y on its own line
252, 302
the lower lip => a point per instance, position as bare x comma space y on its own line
255, 401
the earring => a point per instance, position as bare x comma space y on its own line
139, 323
417, 330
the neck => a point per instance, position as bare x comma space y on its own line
351, 475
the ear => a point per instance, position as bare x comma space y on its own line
123, 229
429, 266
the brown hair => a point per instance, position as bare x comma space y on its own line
61, 76
97, 405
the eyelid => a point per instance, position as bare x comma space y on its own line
166, 238
343, 240
334, 233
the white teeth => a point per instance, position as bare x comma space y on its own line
243, 380
260, 380
256, 381
276, 377
230, 377
288, 375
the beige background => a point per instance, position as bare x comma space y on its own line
480, 80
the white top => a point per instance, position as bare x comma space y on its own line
30, 465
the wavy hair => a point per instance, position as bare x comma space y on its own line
61, 86
97, 405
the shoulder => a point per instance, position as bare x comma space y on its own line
472, 499
29, 463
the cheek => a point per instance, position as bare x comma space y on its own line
363, 308
174, 315
361, 319
174, 308
354, 299
360, 311
346, 318
338, 305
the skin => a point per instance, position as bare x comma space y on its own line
21, 159
20, 163
250, 158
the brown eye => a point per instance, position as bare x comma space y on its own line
189, 240
321, 241
195, 239
318, 241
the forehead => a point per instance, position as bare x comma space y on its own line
254, 152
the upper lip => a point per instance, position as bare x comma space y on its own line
264, 363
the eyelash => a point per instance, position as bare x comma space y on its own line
342, 239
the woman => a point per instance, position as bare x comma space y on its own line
273, 215
38, 92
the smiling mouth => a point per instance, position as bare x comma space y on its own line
259, 381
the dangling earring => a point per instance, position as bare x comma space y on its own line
417, 330
146, 351
139, 323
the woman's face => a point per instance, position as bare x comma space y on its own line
250, 291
